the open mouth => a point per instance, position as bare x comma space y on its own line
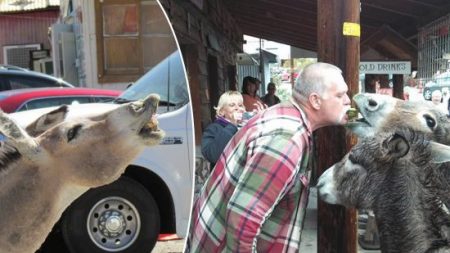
150, 129
148, 106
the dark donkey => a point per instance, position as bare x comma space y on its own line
397, 175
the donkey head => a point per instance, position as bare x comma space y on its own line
88, 151
382, 112
374, 163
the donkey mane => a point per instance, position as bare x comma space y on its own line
8, 155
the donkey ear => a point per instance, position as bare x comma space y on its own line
15, 134
440, 153
46, 121
396, 145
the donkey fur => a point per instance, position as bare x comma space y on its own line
397, 176
44, 171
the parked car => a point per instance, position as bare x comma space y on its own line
34, 98
12, 67
440, 82
12, 78
428, 88
154, 194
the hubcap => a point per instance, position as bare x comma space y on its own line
113, 224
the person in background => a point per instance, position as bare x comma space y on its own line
270, 98
252, 102
255, 198
258, 85
228, 116
411, 91
437, 99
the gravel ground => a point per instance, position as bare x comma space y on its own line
174, 246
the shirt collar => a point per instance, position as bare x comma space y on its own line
303, 116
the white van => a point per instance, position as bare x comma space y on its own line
154, 194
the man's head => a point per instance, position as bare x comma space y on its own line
321, 90
436, 97
271, 88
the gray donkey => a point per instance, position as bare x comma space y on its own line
397, 175
47, 166
382, 112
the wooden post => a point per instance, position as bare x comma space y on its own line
398, 86
336, 225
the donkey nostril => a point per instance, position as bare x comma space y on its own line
372, 103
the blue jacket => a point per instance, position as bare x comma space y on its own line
215, 138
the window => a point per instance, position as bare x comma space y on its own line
53, 101
133, 37
21, 82
166, 79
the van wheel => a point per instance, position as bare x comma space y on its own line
119, 217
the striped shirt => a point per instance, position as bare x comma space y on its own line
256, 196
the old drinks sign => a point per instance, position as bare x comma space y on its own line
385, 67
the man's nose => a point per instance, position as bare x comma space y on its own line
347, 100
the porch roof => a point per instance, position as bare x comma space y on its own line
294, 22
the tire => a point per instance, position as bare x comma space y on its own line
427, 94
121, 217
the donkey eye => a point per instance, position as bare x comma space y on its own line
431, 123
73, 132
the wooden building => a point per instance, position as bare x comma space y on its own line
24, 27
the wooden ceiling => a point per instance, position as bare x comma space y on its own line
294, 22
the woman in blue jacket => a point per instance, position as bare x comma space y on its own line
228, 116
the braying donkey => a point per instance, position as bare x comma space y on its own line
40, 176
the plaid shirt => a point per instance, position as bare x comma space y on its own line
255, 199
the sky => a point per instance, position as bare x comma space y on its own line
252, 46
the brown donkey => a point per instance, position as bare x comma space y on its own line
40, 176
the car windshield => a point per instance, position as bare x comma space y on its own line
166, 79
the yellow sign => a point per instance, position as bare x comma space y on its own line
351, 29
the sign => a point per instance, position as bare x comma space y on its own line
385, 67
351, 29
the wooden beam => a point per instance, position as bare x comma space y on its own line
424, 3
290, 38
442, 11
391, 10
278, 25
336, 225
264, 10
296, 5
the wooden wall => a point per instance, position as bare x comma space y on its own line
209, 37
26, 28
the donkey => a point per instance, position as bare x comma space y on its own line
396, 175
40, 176
381, 112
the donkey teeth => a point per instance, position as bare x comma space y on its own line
153, 123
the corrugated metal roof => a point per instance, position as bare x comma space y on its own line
26, 5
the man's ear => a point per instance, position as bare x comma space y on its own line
315, 101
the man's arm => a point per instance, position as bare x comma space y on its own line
268, 173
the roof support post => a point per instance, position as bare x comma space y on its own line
338, 36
